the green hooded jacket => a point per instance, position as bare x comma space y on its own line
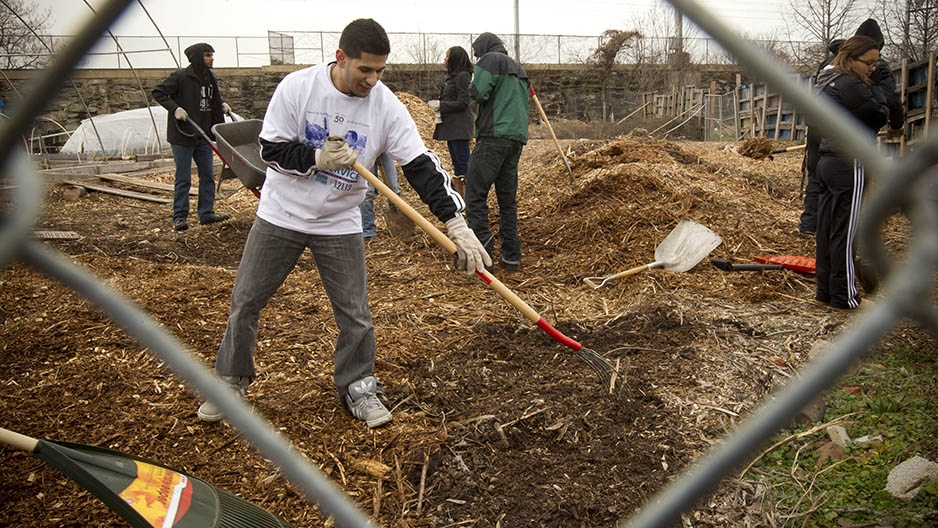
503, 91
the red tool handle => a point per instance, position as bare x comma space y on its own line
450, 246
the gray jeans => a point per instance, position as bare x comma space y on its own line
270, 254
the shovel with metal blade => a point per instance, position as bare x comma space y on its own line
599, 364
685, 246
399, 224
146, 494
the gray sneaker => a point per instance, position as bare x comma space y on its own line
210, 411
363, 402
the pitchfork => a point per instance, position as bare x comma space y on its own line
600, 365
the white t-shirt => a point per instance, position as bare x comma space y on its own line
306, 107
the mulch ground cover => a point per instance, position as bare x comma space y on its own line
495, 424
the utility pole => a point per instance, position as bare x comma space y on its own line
517, 32
679, 30
676, 53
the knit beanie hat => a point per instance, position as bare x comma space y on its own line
870, 28
196, 51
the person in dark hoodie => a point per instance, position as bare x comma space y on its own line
808, 225
191, 93
847, 80
502, 93
881, 77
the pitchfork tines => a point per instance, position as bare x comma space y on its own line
600, 365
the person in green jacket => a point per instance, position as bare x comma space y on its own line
502, 89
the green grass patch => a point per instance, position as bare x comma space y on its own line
891, 399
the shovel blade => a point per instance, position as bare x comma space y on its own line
399, 224
686, 245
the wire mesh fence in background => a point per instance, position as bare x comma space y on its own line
314, 47
720, 121
908, 284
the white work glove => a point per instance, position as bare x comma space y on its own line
225, 109
437, 117
335, 154
434, 105
470, 254
180, 114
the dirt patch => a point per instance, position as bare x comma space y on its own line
495, 423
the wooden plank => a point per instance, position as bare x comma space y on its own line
930, 91
48, 234
119, 192
160, 186
778, 118
752, 109
904, 91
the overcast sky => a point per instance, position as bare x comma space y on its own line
184, 22
567, 17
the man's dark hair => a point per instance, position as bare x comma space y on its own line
364, 35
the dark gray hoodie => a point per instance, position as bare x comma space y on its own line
882, 76
865, 102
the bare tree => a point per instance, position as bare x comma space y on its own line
651, 48
21, 23
613, 43
822, 21
826, 20
910, 27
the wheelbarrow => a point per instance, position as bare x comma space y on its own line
237, 144
238, 149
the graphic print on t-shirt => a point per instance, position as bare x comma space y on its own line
316, 135
205, 99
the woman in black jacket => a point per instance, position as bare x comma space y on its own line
841, 177
455, 123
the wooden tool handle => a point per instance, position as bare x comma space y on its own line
540, 110
633, 271
19, 441
444, 241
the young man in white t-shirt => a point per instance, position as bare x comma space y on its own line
320, 120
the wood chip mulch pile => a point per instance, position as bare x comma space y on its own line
495, 424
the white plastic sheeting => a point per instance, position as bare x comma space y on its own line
122, 134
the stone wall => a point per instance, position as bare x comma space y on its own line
565, 91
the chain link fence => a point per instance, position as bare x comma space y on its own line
909, 283
314, 47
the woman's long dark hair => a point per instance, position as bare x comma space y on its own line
457, 61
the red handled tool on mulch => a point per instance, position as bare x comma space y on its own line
791, 262
146, 494
600, 365
540, 110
